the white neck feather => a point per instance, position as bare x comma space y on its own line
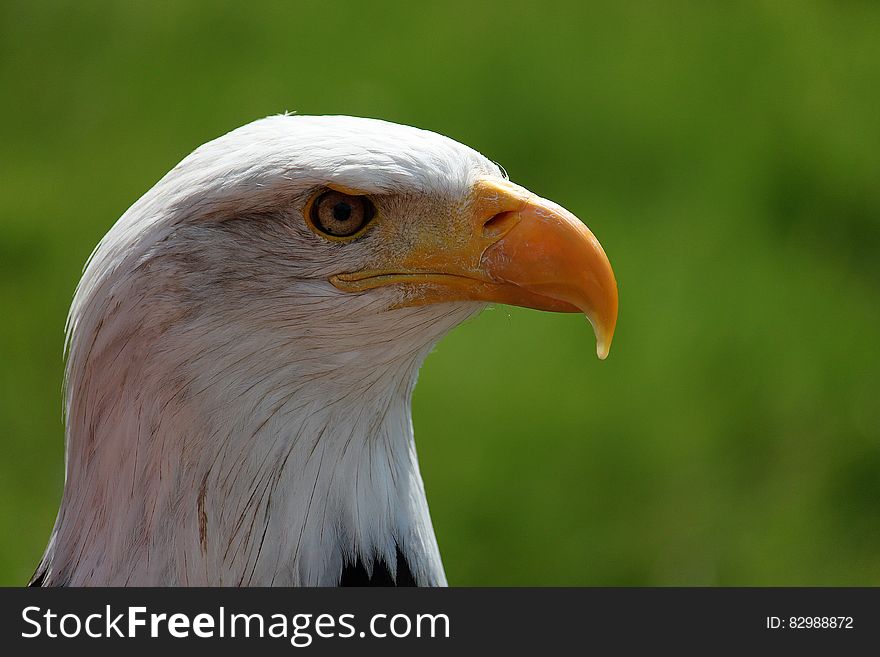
205, 471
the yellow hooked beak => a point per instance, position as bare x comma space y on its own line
504, 245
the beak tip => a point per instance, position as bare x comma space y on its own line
603, 336
602, 349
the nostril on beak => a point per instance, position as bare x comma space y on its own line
497, 225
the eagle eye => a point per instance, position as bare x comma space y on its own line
336, 214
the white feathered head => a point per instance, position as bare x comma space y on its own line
244, 341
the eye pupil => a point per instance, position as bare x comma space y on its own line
342, 211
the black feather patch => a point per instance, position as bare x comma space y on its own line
38, 579
356, 575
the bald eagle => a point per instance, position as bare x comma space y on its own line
244, 342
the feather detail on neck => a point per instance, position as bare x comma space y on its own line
208, 469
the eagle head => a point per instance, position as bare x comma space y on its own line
244, 341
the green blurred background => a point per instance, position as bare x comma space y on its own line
726, 154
